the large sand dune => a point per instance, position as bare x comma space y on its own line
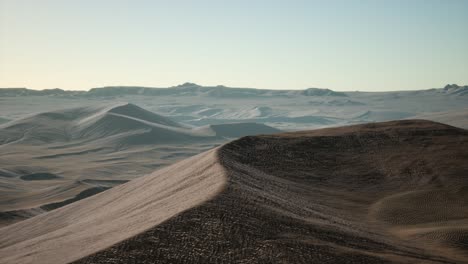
100, 221
120, 124
375, 193
57, 157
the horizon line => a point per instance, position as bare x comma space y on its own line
229, 87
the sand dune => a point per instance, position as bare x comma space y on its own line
375, 193
207, 105
102, 220
53, 158
119, 124
92, 123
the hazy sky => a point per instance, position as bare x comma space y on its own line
343, 45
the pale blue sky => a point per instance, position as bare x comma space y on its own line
343, 45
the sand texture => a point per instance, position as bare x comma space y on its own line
53, 158
393, 192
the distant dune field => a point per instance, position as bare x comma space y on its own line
54, 158
392, 192
290, 110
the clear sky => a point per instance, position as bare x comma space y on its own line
343, 45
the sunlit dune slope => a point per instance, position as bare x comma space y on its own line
54, 158
392, 192
93, 224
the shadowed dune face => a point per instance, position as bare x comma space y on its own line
376, 193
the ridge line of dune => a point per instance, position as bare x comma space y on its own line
265, 203
98, 222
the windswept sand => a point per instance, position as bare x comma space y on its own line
53, 158
93, 224
393, 192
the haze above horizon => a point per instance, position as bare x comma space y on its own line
340, 45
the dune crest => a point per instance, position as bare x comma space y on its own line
53, 158
356, 194
93, 224
309, 197
121, 124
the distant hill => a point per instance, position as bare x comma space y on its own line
455, 89
186, 89
12, 92
192, 89
321, 92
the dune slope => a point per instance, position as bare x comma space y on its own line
321, 197
117, 122
93, 224
392, 192
54, 158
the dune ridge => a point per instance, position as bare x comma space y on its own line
335, 195
81, 228
310, 197
121, 124
52, 158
